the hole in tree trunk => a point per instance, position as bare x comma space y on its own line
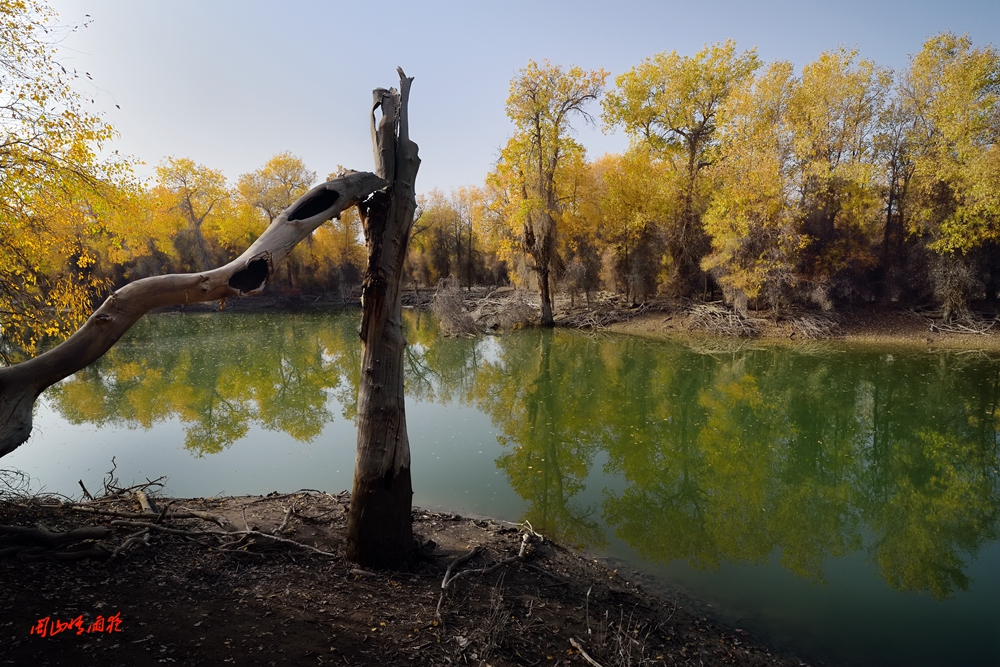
250, 278
319, 202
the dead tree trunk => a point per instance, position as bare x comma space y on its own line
379, 528
22, 383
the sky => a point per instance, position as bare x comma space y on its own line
229, 84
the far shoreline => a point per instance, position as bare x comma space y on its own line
870, 325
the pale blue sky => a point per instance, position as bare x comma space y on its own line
229, 84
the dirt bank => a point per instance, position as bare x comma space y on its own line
186, 595
878, 324
871, 325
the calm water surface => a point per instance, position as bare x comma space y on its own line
840, 501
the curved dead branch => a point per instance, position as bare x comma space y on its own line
21, 384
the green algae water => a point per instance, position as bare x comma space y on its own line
839, 501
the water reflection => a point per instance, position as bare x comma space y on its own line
719, 455
219, 374
734, 456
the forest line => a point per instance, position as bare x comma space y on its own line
744, 181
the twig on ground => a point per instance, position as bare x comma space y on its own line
583, 654
140, 537
449, 577
284, 522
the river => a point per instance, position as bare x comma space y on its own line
839, 500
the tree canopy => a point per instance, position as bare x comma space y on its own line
57, 194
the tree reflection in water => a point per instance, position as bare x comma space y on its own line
727, 454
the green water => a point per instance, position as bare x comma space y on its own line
839, 501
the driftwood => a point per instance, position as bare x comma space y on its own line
21, 384
145, 503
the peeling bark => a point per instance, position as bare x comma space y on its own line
21, 384
379, 529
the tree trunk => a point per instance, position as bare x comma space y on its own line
22, 383
546, 296
379, 526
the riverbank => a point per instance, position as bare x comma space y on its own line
491, 309
873, 324
226, 580
870, 325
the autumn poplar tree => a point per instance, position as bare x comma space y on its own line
669, 106
751, 222
195, 200
953, 93
270, 190
55, 193
833, 114
543, 99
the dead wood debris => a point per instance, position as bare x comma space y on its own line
717, 319
814, 326
971, 324
99, 542
448, 306
603, 315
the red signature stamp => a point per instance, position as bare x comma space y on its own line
49, 627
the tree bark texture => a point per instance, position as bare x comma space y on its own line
21, 384
379, 529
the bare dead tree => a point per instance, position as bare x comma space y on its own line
379, 528
21, 384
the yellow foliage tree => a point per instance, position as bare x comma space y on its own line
542, 100
669, 106
833, 115
952, 96
54, 191
194, 202
263, 194
751, 224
